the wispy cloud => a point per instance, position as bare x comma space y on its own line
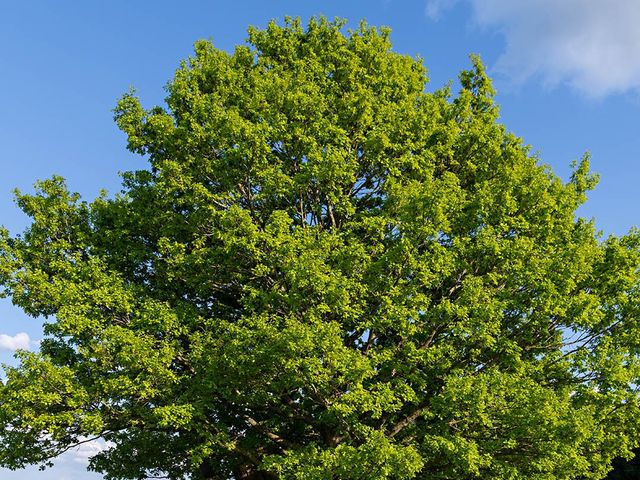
435, 8
591, 45
18, 341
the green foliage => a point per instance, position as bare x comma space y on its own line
325, 273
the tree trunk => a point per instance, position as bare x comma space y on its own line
249, 472
208, 471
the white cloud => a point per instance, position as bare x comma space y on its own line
70, 465
591, 45
18, 341
82, 453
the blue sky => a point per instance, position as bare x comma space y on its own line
567, 75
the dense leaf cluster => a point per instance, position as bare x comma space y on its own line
324, 273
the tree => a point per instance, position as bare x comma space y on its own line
324, 273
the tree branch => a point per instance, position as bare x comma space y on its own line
408, 420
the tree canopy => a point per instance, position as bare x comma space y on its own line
326, 271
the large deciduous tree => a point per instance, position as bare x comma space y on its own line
325, 272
